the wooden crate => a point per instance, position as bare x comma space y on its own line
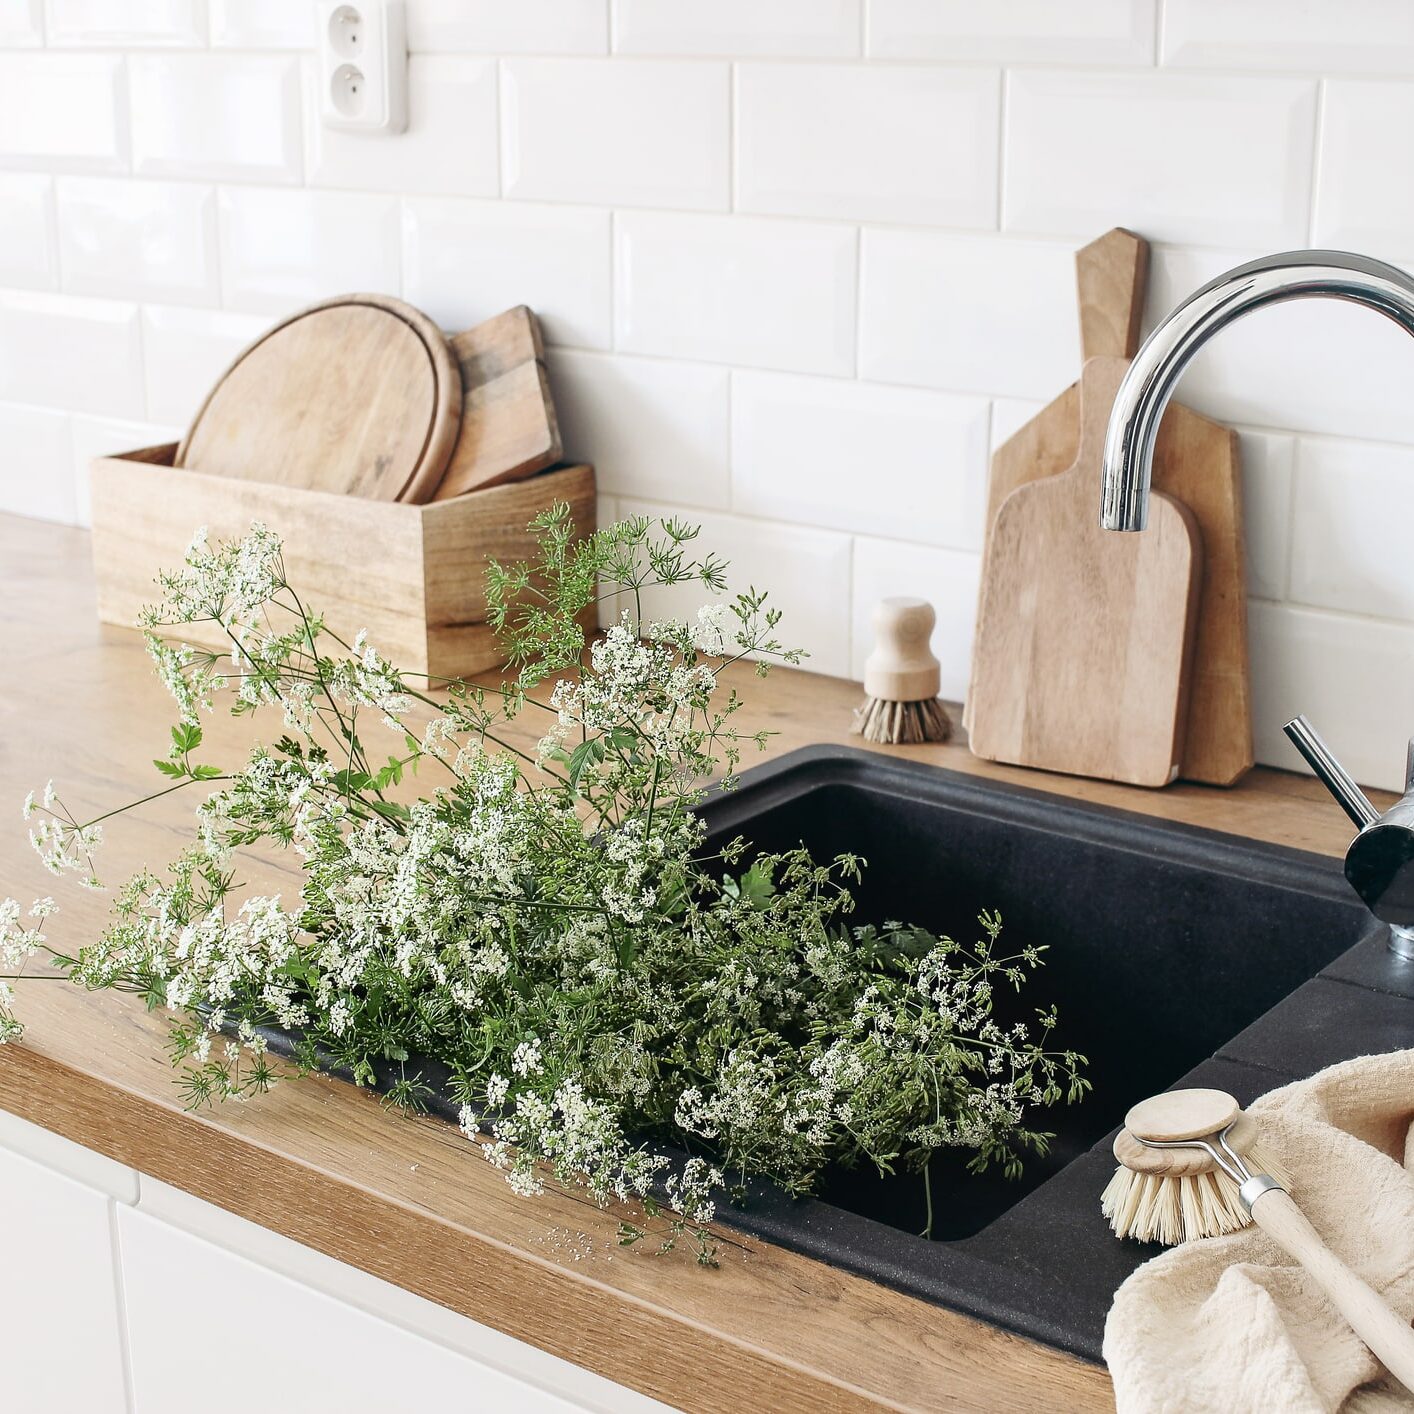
413, 576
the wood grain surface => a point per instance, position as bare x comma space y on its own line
1197, 462
406, 1199
508, 425
1084, 637
358, 395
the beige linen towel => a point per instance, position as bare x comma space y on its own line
1230, 1323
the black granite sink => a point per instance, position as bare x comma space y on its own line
1174, 954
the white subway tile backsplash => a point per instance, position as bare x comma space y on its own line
1010, 415
261, 24
1079, 31
29, 252
631, 134
1369, 36
135, 24
806, 573
1268, 460
1309, 366
141, 240
451, 145
63, 112
496, 27
815, 29
977, 315
899, 462
36, 471
185, 351
1353, 506
282, 249
880, 144
947, 579
1353, 677
104, 437
775, 294
464, 261
80, 354
229, 116
654, 429
21, 24
1360, 204
1204, 159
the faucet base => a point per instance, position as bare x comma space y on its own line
1401, 942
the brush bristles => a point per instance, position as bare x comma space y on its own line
1157, 1208
902, 723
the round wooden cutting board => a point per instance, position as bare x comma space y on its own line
359, 395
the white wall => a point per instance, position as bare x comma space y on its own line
802, 264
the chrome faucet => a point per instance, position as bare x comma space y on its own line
1380, 861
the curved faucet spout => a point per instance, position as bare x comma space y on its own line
1149, 384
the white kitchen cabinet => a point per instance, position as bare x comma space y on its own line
61, 1347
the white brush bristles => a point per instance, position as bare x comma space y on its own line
1157, 1208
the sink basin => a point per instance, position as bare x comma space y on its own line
1166, 943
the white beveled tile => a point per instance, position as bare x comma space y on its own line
1010, 415
186, 351
36, 475
1309, 366
64, 352
1178, 157
1371, 36
30, 248
864, 143
775, 294
1267, 460
396, 1369
1078, 31
282, 249
261, 24
60, 1288
498, 27
899, 462
21, 24
814, 29
806, 572
947, 579
130, 24
464, 261
139, 240
65, 112
105, 437
973, 314
1353, 506
227, 116
640, 133
1353, 677
1360, 205
451, 144
654, 429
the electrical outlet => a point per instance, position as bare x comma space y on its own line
363, 63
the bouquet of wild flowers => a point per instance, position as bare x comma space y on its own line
544, 922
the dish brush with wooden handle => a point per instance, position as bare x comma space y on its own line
1191, 1166
902, 677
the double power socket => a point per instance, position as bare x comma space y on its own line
363, 63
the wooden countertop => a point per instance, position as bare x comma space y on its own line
406, 1199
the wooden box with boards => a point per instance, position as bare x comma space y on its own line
393, 463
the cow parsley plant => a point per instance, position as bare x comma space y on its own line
545, 925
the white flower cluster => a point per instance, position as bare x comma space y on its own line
18, 943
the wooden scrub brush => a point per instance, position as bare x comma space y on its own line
902, 677
1191, 1165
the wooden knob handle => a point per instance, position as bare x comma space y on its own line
1370, 1317
902, 667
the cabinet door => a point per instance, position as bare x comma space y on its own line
211, 1330
60, 1341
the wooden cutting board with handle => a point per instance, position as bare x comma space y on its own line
359, 394
1196, 461
508, 424
1084, 636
